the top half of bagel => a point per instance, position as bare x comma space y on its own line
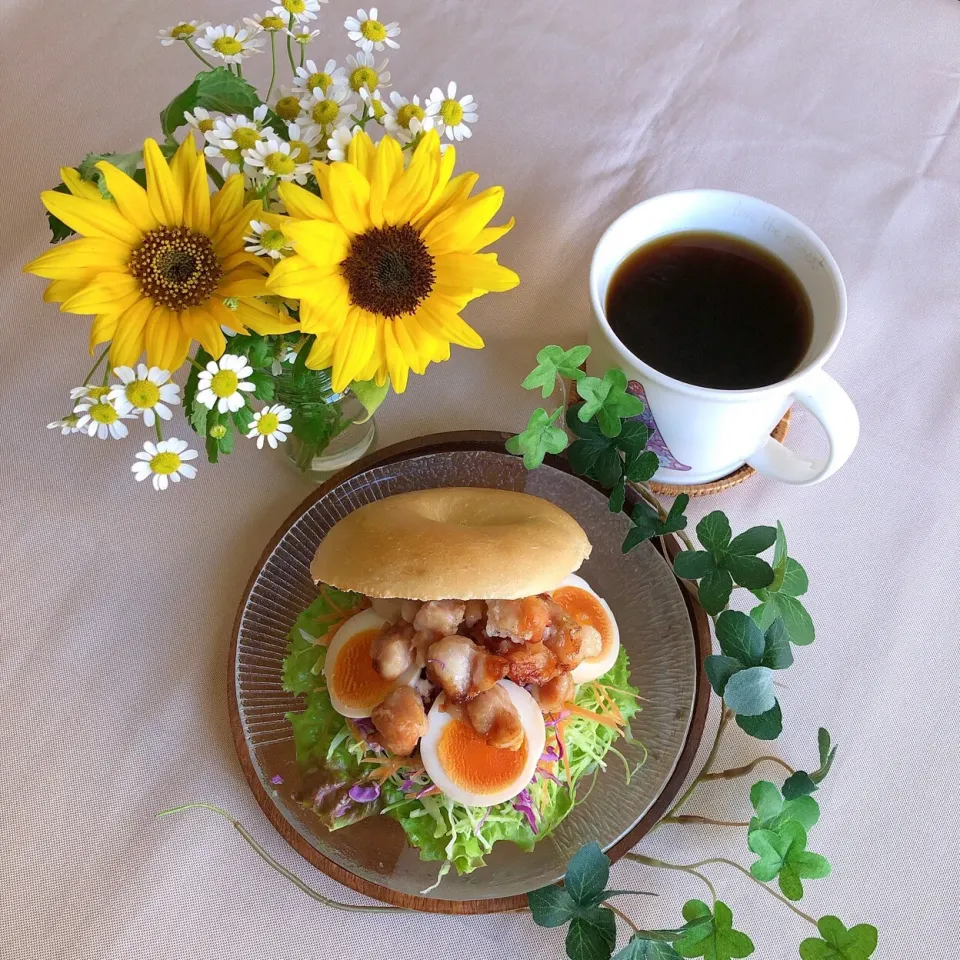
463, 543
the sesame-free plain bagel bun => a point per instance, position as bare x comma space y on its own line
462, 543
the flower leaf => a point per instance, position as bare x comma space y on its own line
783, 854
551, 906
587, 874
58, 229
750, 691
263, 385
592, 934
217, 89
714, 531
836, 942
713, 940
765, 726
607, 400
753, 541
554, 362
715, 589
796, 621
369, 395
539, 438
693, 564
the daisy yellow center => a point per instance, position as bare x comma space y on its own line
227, 46
364, 77
373, 30
218, 431
288, 108
71, 420
205, 125
379, 111
273, 240
143, 393
176, 266
451, 112
268, 424
321, 80
233, 156
299, 151
303, 37
325, 111
224, 384
97, 393
165, 462
280, 163
182, 31
272, 23
389, 270
103, 413
245, 137
408, 112
294, 6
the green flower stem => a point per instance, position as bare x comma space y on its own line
198, 54
647, 494
692, 818
156, 423
214, 175
195, 364
283, 871
293, 66
239, 71
735, 772
96, 366
663, 865
273, 62
622, 916
303, 53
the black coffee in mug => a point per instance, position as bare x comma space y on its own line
712, 310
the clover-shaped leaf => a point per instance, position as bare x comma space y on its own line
779, 597
647, 523
587, 874
773, 809
640, 948
607, 400
551, 906
554, 362
783, 854
594, 455
802, 783
764, 726
592, 934
713, 940
836, 942
540, 438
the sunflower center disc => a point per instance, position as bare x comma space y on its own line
177, 267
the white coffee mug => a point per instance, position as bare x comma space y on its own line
702, 433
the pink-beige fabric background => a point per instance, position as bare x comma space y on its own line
116, 602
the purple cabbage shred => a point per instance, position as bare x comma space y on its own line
364, 792
524, 803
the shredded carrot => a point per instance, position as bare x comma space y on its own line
564, 753
429, 793
590, 715
603, 695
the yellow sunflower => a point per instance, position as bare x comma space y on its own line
388, 258
155, 265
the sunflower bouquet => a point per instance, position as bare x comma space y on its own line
264, 261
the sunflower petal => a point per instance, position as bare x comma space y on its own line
387, 166
397, 364
196, 201
489, 235
350, 197
439, 316
168, 343
447, 161
183, 165
320, 353
201, 326
474, 271
295, 277
415, 342
228, 235
79, 259
322, 243
102, 329
303, 204
129, 196
78, 186
227, 202
59, 290
128, 340
91, 218
353, 347
163, 191
263, 318
322, 173
106, 293
460, 223
413, 188
360, 153
243, 282
326, 307
224, 316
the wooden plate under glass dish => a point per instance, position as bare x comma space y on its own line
664, 631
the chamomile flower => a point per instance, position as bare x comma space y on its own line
268, 21
229, 43
270, 424
165, 461
231, 136
375, 104
363, 72
222, 385
146, 391
338, 143
287, 105
275, 158
327, 108
200, 120
184, 30
267, 241
88, 390
303, 141
303, 35
451, 115
369, 33
300, 10
283, 353
100, 418
308, 77
66, 425
405, 118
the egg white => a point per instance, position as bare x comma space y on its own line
359, 623
592, 669
534, 730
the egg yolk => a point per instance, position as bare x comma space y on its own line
355, 680
473, 764
586, 609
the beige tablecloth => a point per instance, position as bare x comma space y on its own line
116, 603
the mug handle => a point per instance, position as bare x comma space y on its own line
834, 410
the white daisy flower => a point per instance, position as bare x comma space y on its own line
229, 43
451, 115
200, 120
337, 144
98, 417
327, 108
309, 77
369, 33
268, 21
300, 10
405, 118
284, 354
184, 30
363, 72
230, 136
66, 425
303, 35
88, 390
287, 104
165, 461
275, 158
303, 141
145, 391
222, 385
267, 241
374, 103
270, 424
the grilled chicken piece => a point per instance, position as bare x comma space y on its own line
554, 693
474, 612
392, 650
442, 616
462, 669
409, 609
400, 721
518, 620
564, 637
390, 608
495, 718
591, 643
532, 663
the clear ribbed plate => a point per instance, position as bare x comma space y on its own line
655, 627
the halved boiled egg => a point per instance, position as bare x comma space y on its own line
466, 768
586, 606
353, 683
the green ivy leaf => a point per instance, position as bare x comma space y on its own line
773, 811
58, 229
797, 622
740, 637
217, 89
587, 874
798, 784
779, 558
647, 523
795, 581
719, 670
749, 692
539, 438
592, 934
750, 572
617, 496
836, 942
753, 541
641, 468
713, 531
551, 906
693, 564
607, 400
783, 854
715, 940
263, 385
642, 949
676, 517
766, 726
715, 589
554, 362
